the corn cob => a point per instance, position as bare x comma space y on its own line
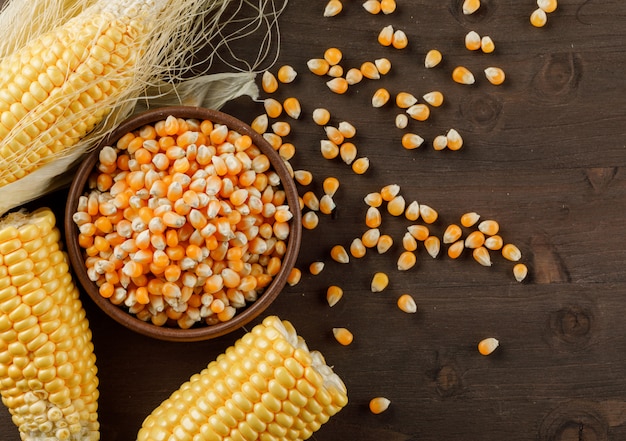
47, 365
266, 386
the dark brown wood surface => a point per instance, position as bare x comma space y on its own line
544, 155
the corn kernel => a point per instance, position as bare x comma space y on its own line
387, 6
380, 97
339, 254
487, 45
318, 66
455, 249
361, 165
379, 405
357, 249
343, 336
469, 219
470, 6
452, 234
383, 65
369, 70
402, 121
475, 239
281, 128
399, 39
489, 227
434, 98
333, 7
385, 36
407, 304
390, 191
412, 211
411, 141
348, 152
472, 41
286, 74
494, 242
321, 116
338, 85
432, 59
330, 186
380, 281
396, 206
433, 246
260, 124
419, 232
292, 107
419, 112
294, 277
372, 6
269, 82
329, 149
333, 56
462, 75
373, 199
409, 243
404, 100
453, 140
373, 218
346, 129
370, 237
520, 271
327, 204
538, 18
488, 345
354, 76
310, 220
495, 75
316, 268
429, 214
547, 6
511, 252
406, 261
481, 255
385, 242
333, 294
273, 107
440, 142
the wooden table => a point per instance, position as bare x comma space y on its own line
544, 155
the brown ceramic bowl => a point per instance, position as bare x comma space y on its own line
200, 332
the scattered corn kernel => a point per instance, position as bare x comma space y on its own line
260, 124
406, 303
456, 249
286, 74
462, 75
389, 191
294, 277
434, 98
281, 128
469, 219
432, 59
520, 271
369, 70
475, 239
321, 116
419, 112
399, 39
338, 85
292, 107
330, 186
380, 281
269, 82
489, 227
419, 232
343, 336
409, 243
372, 6
402, 121
333, 294
347, 129
310, 220
429, 214
538, 18
357, 249
396, 206
453, 140
273, 107
488, 345
370, 237
333, 7
361, 165
406, 261
333, 55
404, 100
318, 66
433, 246
547, 6
373, 218
354, 76
385, 36
494, 242
327, 204
440, 142
383, 65
495, 75
379, 405
348, 152
412, 211
316, 268
380, 97
339, 254
387, 6
470, 6
487, 45
311, 201
452, 233
335, 71
373, 199
511, 252
472, 41
481, 255
329, 149
333, 134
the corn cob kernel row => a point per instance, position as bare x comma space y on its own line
268, 385
48, 376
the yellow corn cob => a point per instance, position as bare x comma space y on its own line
56, 88
47, 365
266, 386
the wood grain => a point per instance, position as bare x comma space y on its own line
544, 154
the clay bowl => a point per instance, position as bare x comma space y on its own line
202, 331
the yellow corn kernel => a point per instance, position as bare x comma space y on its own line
440, 142
373, 218
487, 45
385, 36
372, 6
383, 65
433, 246
399, 39
269, 82
357, 249
311, 201
406, 261
380, 281
428, 214
333, 7
303, 177
338, 85
411, 141
472, 41
318, 66
286, 74
379, 405
538, 18
475, 239
402, 121
321, 116
334, 135
327, 204
470, 6
452, 234
333, 56
336, 71
339, 254
434, 98
370, 237
481, 255
387, 6
432, 59
469, 219
273, 107
408, 242
495, 75
380, 97
260, 124
369, 70
354, 76
520, 271
390, 191
404, 100
330, 186
334, 293
547, 6
419, 112
488, 345
343, 336
373, 199
511, 252
361, 165
494, 242
456, 249
396, 206
329, 149
453, 140
310, 220
281, 128
407, 304
419, 232
316, 268
294, 277
462, 75
489, 227
412, 211
385, 242
292, 107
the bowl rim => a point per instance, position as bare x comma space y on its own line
241, 318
